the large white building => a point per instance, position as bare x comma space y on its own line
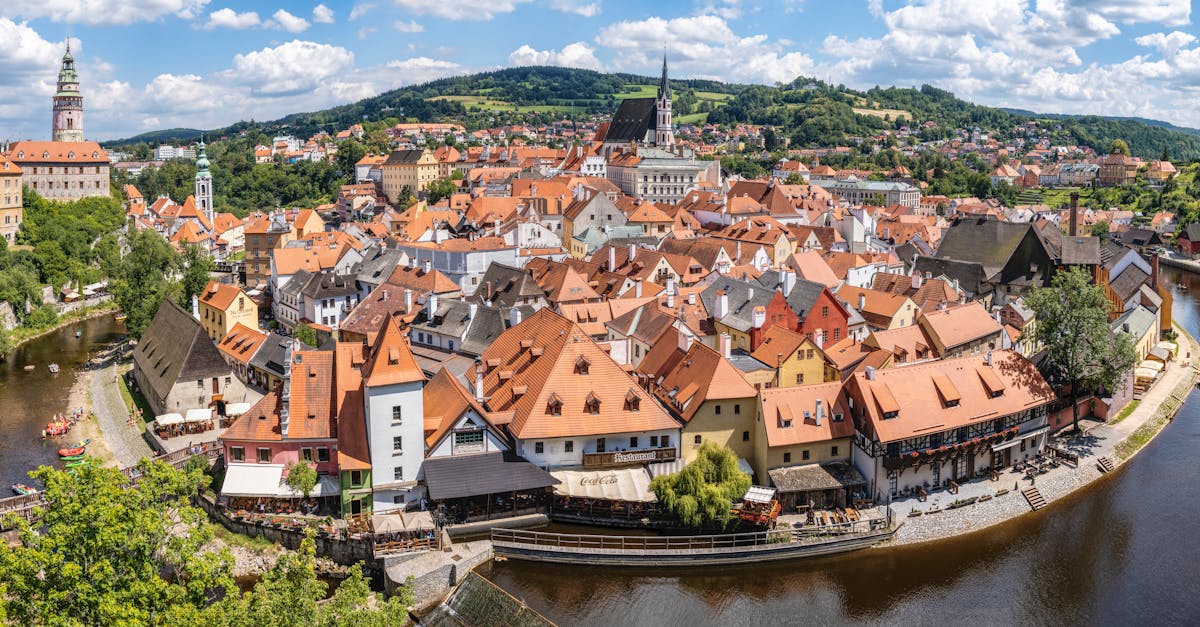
395, 414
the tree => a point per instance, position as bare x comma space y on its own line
305, 334
439, 189
349, 153
795, 178
702, 493
1119, 147
301, 477
1100, 229
1072, 325
140, 282
197, 270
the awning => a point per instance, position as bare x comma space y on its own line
810, 477
1018, 438
666, 468
616, 484
759, 494
1150, 364
266, 481
198, 415
167, 420
395, 521
482, 474
745, 466
236, 409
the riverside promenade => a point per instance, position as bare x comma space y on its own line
1118, 442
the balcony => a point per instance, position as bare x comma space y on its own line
628, 458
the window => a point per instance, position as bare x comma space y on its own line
398, 445
601, 445
237, 453
591, 404
1022, 445
804, 455
539, 447
800, 354
799, 378
717, 410
200, 383
397, 412
833, 450
696, 440
837, 334
654, 441
569, 446
264, 455
666, 441
468, 438
810, 353
356, 477
306, 454
398, 474
745, 436
825, 311
633, 441
737, 408
322, 454
787, 458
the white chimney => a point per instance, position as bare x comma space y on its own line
670, 300
870, 373
432, 303
789, 281
408, 301
478, 381
691, 298
722, 307
862, 302
195, 307
725, 343
819, 413
917, 281
428, 266
632, 251
759, 317
819, 338
472, 309
612, 258
514, 317
685, 340
749, 294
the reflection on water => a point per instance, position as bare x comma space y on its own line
1119, 552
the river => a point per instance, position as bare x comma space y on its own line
28, 400
1119, 552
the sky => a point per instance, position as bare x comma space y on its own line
155, 64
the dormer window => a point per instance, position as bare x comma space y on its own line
71, 155
633, 402
46, 155
591, 404
582, 365
554, 405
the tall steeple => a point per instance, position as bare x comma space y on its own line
204, 190
67, 118
664, 131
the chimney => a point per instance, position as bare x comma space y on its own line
789, 281
670, 293
612, 258
722, 307
917, 281
1074, 214
819, 413
870, 373
408, 301
432, 303
685, 340
758, 317
472, 309
819, 338
514, 317
478, 380
632, 251
1154, 271
195, 307
637, 288
862, 302
725, 343
691, 298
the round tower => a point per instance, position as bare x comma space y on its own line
67, 121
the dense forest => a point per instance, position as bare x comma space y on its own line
807, 111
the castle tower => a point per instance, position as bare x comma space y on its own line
204, 189
67, 121
664, 133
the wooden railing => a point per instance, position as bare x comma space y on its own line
642, 543
406, 546
627, 458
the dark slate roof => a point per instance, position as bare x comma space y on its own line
816, 477
1192, 232
990, 243
744, 296
1128, 282
745, 362
377, 264
1111, 253
329, 284
1140, 237
1080, 251
478, 475
969, 275
174, 348
402, 157
508, 286
294, 285
272, 353
453, 318
1052, 237
804, 296
632, 120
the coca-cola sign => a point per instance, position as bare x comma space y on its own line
599, 480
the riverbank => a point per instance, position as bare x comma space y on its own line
21, 335
1117, 441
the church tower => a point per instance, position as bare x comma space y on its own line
664, 133
204, 189
67, 122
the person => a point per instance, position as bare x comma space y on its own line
424, 504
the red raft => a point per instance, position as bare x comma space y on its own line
78, 450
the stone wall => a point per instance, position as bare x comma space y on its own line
435, 573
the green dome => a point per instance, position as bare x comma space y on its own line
201, 161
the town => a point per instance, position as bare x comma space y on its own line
486, 330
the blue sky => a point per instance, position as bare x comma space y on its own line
150, 64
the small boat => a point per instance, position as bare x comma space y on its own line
70, 458
58, 427
21, 489
121, 317
80, 449
78, 333
76, 464
53, 368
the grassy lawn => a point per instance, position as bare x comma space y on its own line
714, 95
134, 399
257, 544
639, 91
692, 118
1062, 196
1125, 412
879, 113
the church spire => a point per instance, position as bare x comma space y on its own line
664, 131
664, 86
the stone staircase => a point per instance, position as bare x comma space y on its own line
1035, 498
1105, 464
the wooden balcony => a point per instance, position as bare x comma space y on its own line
611, 459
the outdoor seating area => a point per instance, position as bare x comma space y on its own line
281, 506
173, 425
403, 532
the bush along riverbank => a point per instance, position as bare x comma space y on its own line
50, 322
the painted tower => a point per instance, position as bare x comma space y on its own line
204, 189
67, 123
664, 133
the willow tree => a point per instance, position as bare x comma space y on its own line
1072, 326
702, 494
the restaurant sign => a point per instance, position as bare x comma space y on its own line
625, 458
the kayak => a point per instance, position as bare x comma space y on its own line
23, 490
80, 449
76, 464
56, 428
70, 458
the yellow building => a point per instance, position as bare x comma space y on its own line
11, 211
222, 307
803, 444
796, 358
412, 169
264, 234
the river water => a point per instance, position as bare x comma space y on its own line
1122, 551
28, 400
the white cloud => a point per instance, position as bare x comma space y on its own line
408, 27
1167, 44
365, 31
578, 7
360, 10
290, 68
228, 18
460, 9
693, 43
577, 54
322, 14
283, 20
101, 11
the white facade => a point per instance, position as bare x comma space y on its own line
395, 417
469, 436
466, 267
554, 453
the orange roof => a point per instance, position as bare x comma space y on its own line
789, 415
219, 295
353, 453
391, 360
57, 152
908, 343
242, 342
418, 280
941, 395
701, 375
780, 340
878, 308
548, 358
310, 405
445, 401
811, 267
959, 325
